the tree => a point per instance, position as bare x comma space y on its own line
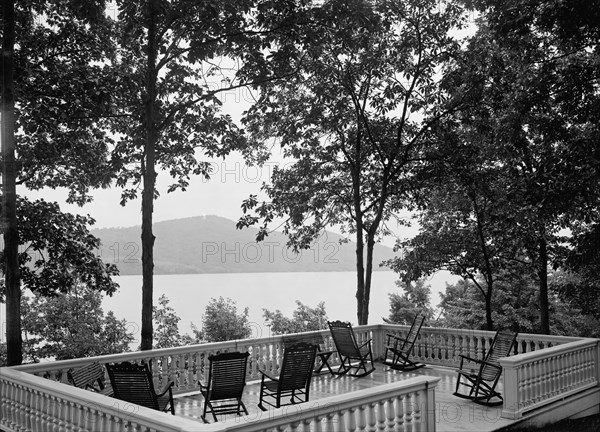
415, 300
514, 307
519, 165
353, 119
304, 319
8, 218
166, 324
174, 60
222, 322
461, 216
58, 251
54, 91
72, 325
543, 104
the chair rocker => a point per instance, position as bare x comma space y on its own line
349, 351
225, 384
294, 378
133, 383
482, 376
398, 350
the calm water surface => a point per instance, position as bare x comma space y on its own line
189, 294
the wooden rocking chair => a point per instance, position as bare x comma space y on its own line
348, 350
481, 376
398, 350
90, 377
133, 383
225, 384
294, 378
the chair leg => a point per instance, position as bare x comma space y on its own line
241, 404
260, 400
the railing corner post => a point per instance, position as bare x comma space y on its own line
510, 375
378, 344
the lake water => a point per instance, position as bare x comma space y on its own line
189, 294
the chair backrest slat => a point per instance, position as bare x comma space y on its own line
413, 333
501, 346
344, 339
133, 383
227, 375
88, 375
297, 366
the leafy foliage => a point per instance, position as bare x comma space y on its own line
222, 322
415, 300
353, 120
61, 69
166, 330
57, 56
303, 319
71, 325
522, 155
59, 252
515, 307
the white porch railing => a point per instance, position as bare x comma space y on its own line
527, 375
31, 403
536, 379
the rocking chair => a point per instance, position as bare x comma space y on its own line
294, 378
133, 383
348, 350
482, 376
226, 381
398, 350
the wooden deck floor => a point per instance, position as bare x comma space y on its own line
452, 413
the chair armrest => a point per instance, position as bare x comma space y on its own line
268, 375
468, 359
367, 342
496, 365
165, 389
396, 338
471, 359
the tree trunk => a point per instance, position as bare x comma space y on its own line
14, 342
149, 178
488, 273
368, 278
360, 274
543, 278
488, 310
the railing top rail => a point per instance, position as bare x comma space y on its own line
240, 343
211, 346
519, 359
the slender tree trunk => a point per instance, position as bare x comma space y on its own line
149, 178
368, 278
360, 273
488, 273
14, 342
543, 278
488, 310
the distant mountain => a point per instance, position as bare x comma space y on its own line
212, 244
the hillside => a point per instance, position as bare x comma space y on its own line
212, 244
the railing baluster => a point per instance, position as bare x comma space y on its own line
399, 407
371, 419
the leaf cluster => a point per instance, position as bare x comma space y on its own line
71, 325
304, 319
59, 252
